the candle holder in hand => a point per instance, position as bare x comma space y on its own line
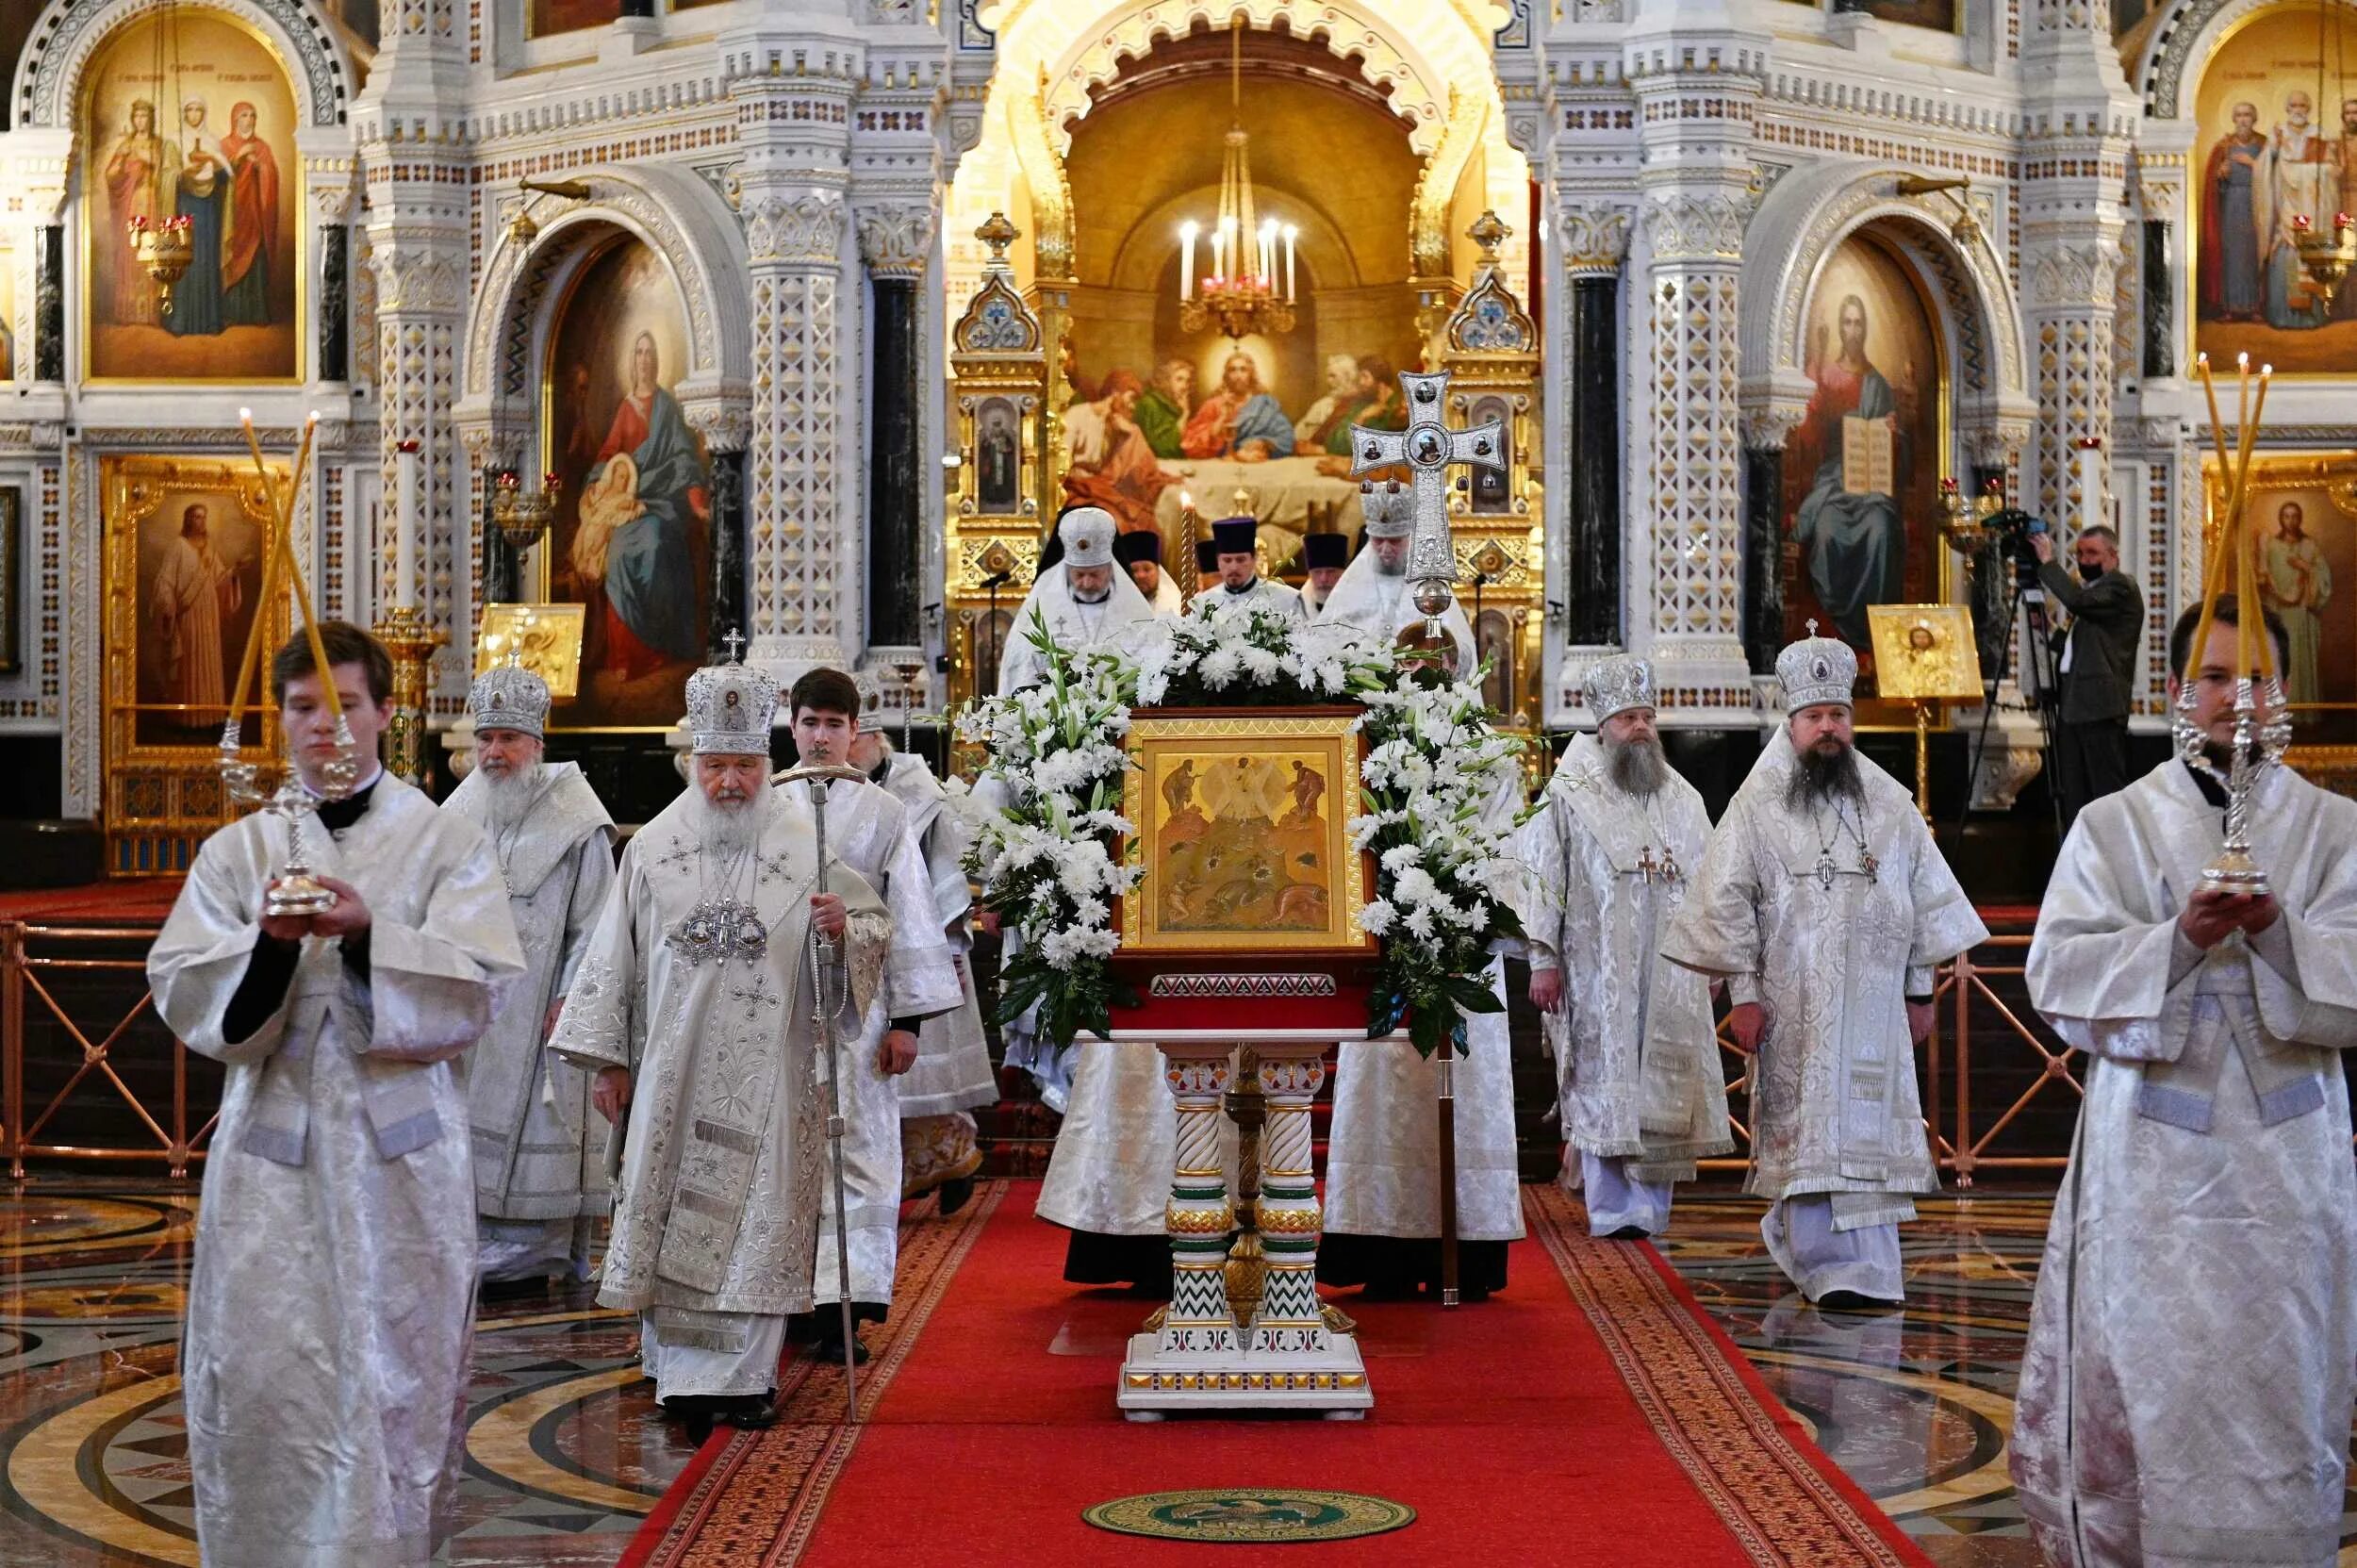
295, 890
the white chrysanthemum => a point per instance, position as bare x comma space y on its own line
1377, 916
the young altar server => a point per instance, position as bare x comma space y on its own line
694, 1008
1235, 542
1824, 902
540, 1150
952, 1075
331, 1306
1606, 860
1087, 600
2187, 1392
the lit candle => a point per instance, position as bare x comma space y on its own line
2090, 477
1187, 231
1268, 252
1291, 231
405, 526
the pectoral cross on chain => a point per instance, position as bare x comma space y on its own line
1647, 868
1429, 449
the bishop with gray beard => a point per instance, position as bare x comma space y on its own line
539, 1176
1826, 906
1606, 860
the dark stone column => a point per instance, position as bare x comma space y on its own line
1763, 557
335, 302
2160, 316
49, 304
1592, 562
893, 465
728, 611
502, 573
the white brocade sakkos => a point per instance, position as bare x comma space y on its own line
540, 1150
716, 1213
1110, 1172
331, 1306
1834, 1104
953, 1071
2187, 1392
1637, 1057
868, 833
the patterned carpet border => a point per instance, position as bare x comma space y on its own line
1710, 1410
755, 1498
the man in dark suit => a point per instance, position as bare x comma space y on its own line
2096, 657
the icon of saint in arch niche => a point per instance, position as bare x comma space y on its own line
632, 537
189, 118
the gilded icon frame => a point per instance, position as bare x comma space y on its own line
1163, 745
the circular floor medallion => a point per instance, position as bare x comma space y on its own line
1259, 1516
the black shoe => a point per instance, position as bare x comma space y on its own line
1851, 1301
531, 1287
828, 1351
1629, 1233
955, 1194
747, 1411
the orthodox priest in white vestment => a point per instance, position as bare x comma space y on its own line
331, 1307
539, 1171
868, 836
1241, 587
939, 1148
1826, 905
2186, 1392
1382, 1168
1086, 600
1372, 594
695, 1006
1606, 860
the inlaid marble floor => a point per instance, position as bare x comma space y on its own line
564, 1454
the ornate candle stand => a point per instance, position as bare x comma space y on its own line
411, 641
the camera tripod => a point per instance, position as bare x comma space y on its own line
2025, 613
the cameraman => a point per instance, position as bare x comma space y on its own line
2097, 661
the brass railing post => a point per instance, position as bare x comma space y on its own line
1961, 976
12, 1043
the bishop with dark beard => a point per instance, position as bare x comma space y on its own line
1826, 906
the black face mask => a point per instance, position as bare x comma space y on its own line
2089, 574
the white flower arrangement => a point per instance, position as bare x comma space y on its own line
1436, 775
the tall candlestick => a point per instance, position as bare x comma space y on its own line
1187, 232
2089, 464
405, 526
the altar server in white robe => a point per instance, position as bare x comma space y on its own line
1382, 1171
952, 1076
1085, 600
1241, 587
1372, 594
539, 1167
1606, 860
1828, 907
2187, 1392
694, 1007
868, 836
331, 1305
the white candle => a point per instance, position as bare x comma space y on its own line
1268, 252
2090, 476
1290, 232
1187, 231
405, 527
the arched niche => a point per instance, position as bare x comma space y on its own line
49, 77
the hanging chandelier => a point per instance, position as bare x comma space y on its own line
2327, 255
164, 246
1241, 294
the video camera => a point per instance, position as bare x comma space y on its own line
2012, 530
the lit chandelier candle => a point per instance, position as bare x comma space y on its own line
1291, 230
1187, 231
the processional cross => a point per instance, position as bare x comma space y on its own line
1429, 449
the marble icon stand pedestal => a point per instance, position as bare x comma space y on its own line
1204, 1355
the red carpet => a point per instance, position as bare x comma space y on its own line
1588, 1416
